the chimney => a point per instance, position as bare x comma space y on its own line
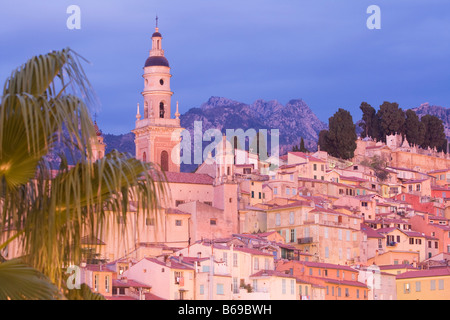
180, 258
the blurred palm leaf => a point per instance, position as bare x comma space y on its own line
49, 208
21, 282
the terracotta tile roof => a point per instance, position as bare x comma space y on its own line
434, 272
346, 282
397, 266
306, 156
120, 297
271, 273
176, 211
438, 171
151, 296
370, 232
185, 177
353, 178
173, 264
414, 181
325, 265
253, 251
120, 283
298, 203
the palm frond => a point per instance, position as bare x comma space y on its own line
19, 281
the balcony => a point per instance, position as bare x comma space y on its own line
305, 240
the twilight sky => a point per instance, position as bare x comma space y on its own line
319, 51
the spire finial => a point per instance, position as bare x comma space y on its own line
138, 115
156, 21
177, 114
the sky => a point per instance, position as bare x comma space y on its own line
321, 51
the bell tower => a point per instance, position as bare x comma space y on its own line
157, 134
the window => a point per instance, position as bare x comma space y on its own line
225, 258
255, 285
149, 221
255, 263
291, 217
96, 282
107, 284
213, 222
406, 288
288, 191
315, 167
235, 285
283, 286
292, 287
418, 286
432, 284
277, 219
325, 231
292, 235
259, 195
347, 294
235, 260
202, 289
275, 190
441, 284
327, 252
253, 194
178, 277
219, 288
178, 223
339, 291
411, 240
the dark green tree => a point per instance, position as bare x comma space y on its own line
370, 122
323, 140
434, 132
414, 128
302, 146
392, 119
341, 136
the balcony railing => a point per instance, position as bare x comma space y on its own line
305, 240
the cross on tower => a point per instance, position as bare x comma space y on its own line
157, 21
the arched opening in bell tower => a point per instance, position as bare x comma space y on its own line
146, 110
161, 109
164, 161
